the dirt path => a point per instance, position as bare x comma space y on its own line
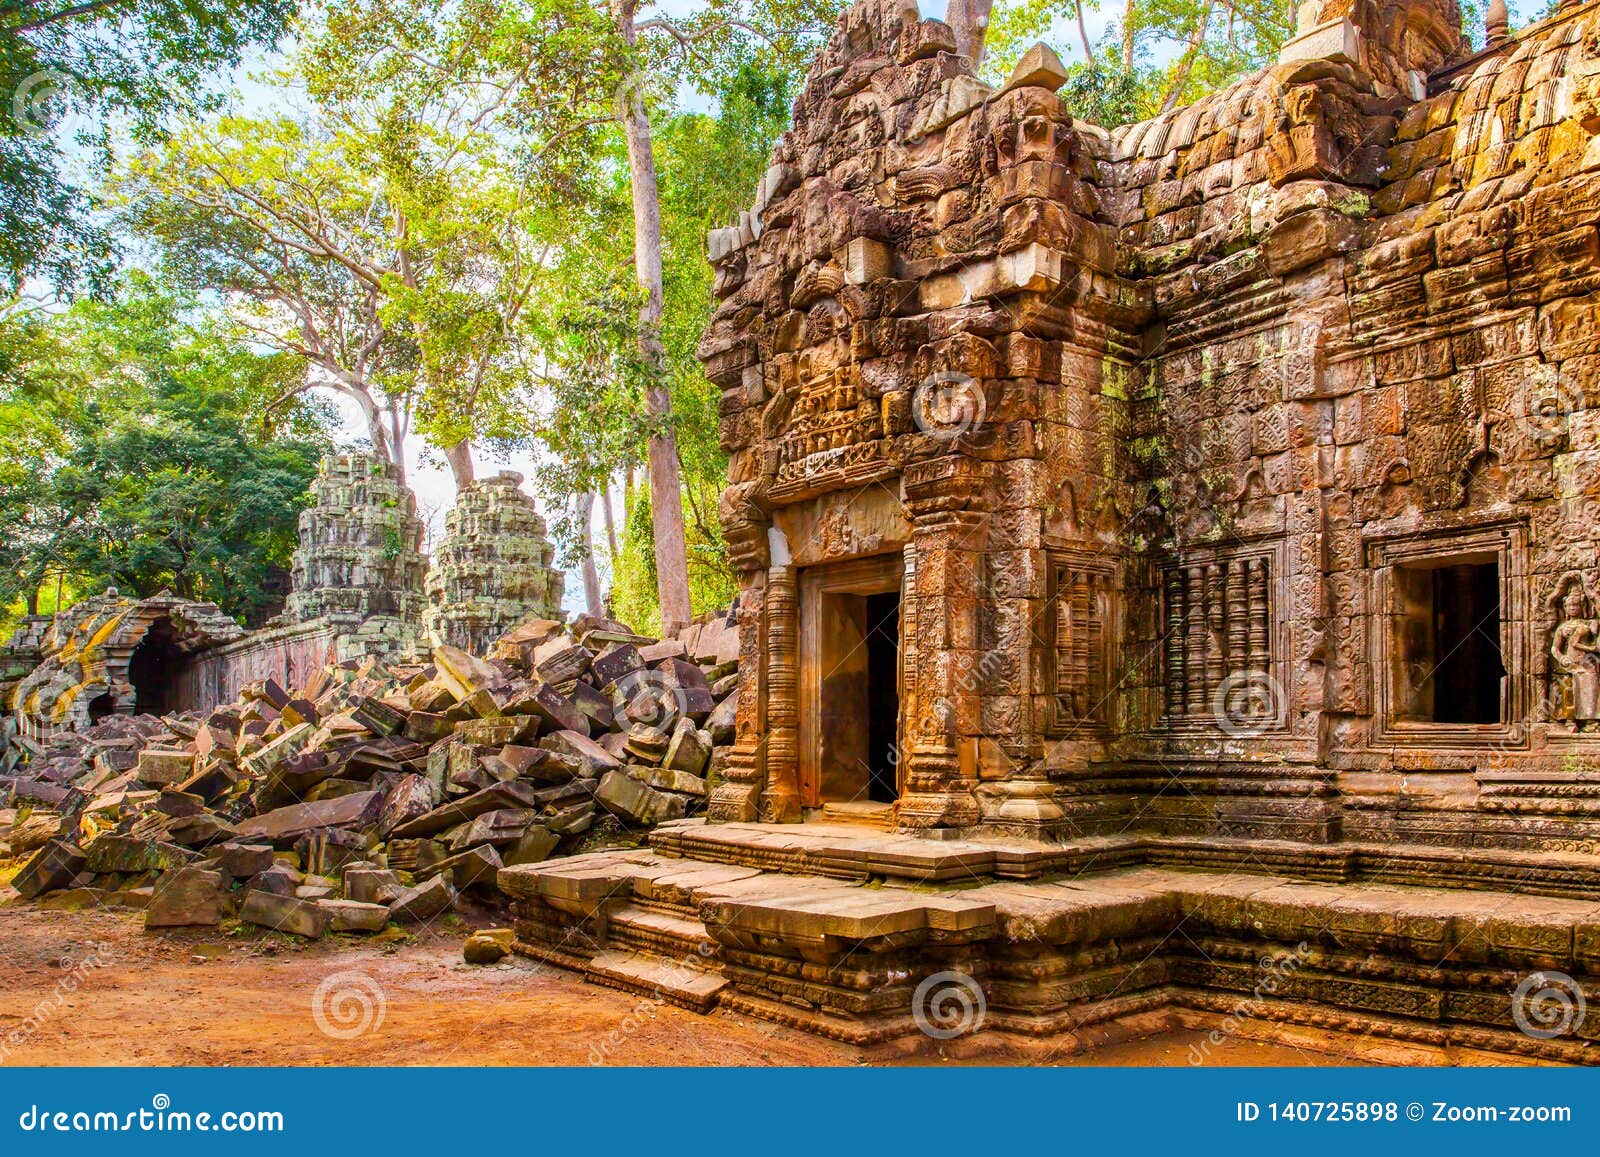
128, 997
93, 987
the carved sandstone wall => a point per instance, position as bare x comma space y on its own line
1198, 441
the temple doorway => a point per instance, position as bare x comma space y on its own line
153, 670
850, 685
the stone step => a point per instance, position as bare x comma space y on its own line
657, 977
866, 815
653, 930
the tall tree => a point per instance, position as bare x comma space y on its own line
160, 467
280, 217
434, 95
131, 60
647, 57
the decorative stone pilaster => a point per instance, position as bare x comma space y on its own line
493, 568
745, 528
949, 499
360, 557
780, 799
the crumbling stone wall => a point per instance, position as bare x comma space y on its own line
493, 567
1172, 428
84, 654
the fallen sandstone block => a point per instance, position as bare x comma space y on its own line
161, 766
488, 945
286, 914
287, 823
372, 886
423, 902
52, 868
188, 897
354, 916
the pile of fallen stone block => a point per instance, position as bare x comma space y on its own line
379, 792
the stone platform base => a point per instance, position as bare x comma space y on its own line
871, 938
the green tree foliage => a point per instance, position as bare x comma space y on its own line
133, 452
1154, 55
134, 60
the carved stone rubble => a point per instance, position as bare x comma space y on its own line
493, 568
357, 593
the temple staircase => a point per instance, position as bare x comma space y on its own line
870, 938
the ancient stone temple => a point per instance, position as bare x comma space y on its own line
1245, 452
1219, 494
359, 565
493, 568
109, 655
357, 593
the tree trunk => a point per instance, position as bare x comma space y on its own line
666, 485
1083, 35
611, 526
1180, 75
591, 577
969, 20
460, 458
397, 440
377, 432
1129, 14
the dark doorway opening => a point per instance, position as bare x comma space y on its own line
883, 694
1466, 612
100, 707
1448, 627
153, 670
850, 686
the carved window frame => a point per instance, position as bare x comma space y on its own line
1060, 720
1207, 720
1506, 541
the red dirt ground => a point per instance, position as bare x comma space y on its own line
211, 997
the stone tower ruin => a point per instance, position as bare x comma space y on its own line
493, 568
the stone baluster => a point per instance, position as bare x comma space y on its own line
1194, 638
1176, 672
1260, 615
1215, 626
1238, 580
